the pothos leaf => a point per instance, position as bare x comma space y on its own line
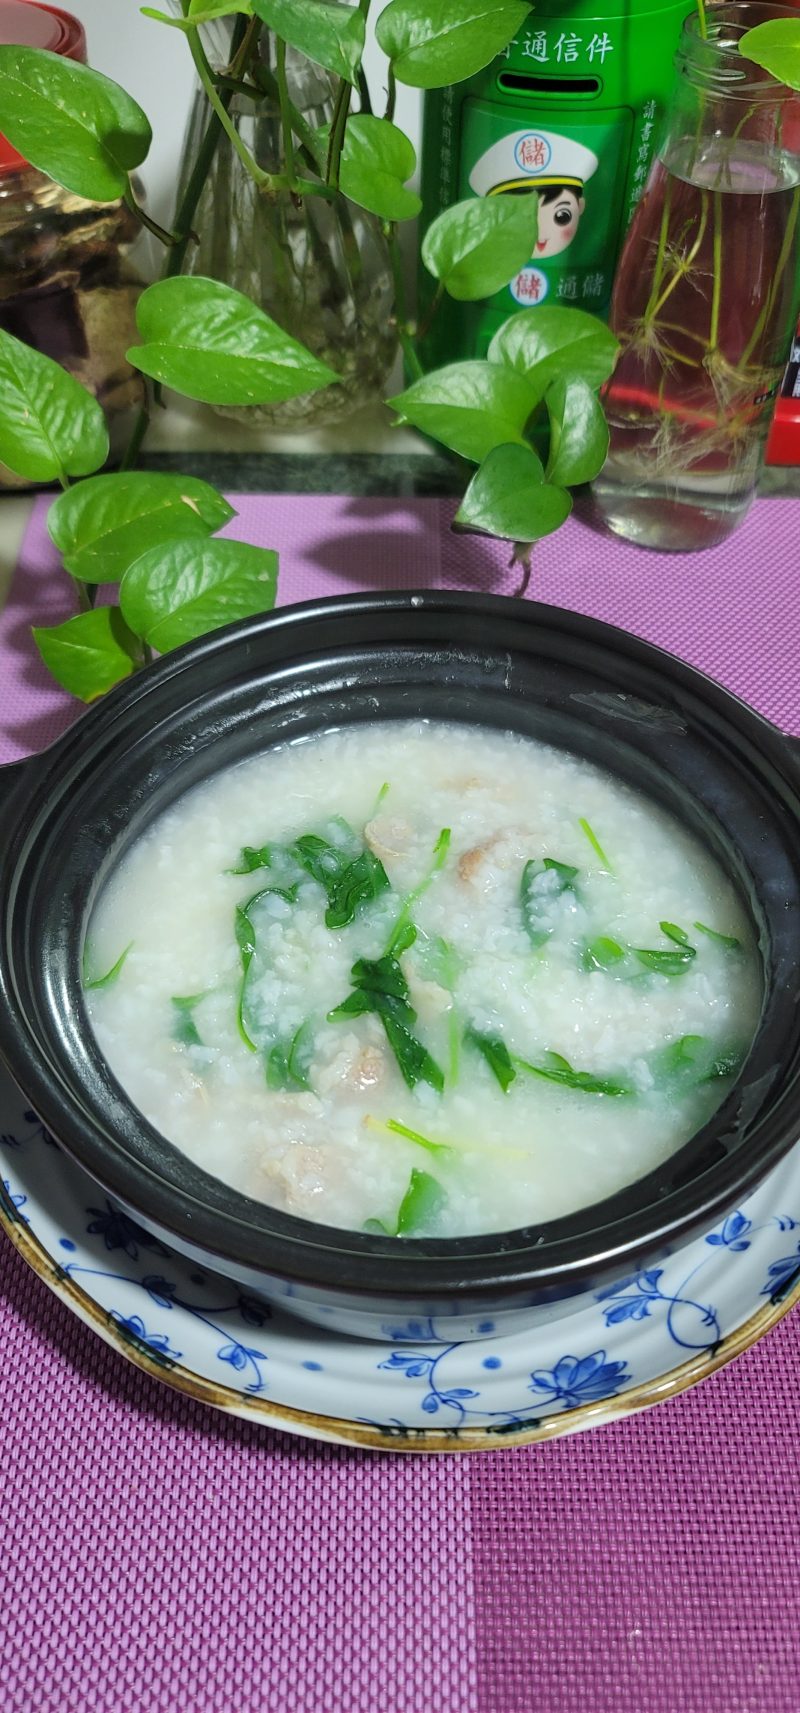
101, 525
431, 46
475, 247
90, 653
775, 45
50, 426
376, 160
184, 589
71, 122
471, 407
331, 35
200, 12
549, 341
509, 497
213, 344
578, 432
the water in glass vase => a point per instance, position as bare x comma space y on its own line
704, 306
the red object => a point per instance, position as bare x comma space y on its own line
783, 446
33, 26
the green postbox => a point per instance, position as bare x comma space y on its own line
570, 112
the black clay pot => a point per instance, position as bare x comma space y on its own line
70, 814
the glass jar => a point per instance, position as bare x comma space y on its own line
706, 297
319, 268
70, 270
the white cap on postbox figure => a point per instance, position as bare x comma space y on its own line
556, 167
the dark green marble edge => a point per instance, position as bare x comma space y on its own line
365, 474
362, 474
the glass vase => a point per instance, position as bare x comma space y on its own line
706, 296
320, 268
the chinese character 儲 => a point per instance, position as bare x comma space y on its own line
594, 285
599, 46
568, 286
532, 153
528, 284
567, 47
536, 46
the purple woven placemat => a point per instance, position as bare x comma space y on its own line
162, 1559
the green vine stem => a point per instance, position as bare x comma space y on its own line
521, 556
338, 127
85, 594
391, 94
283, 102
716, 294
267, 84
777, 280
685, 264
146, 220
140, 427
433, 310
264, 180
244, 38
658, 271
404, 334
363, 91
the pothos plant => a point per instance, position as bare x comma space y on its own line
527, 416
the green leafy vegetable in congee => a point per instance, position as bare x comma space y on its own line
422, 979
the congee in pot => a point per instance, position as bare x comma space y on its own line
424, 979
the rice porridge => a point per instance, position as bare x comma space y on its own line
423, 979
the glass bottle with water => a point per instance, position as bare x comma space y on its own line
706, 297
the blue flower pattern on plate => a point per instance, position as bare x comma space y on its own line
781, 1275
17, 1199
135, 1328
158, 1301
733, 1235
691, 1325
423, 1365
165, 1294
118, 1231
580, 1380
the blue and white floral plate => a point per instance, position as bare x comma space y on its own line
652, 1336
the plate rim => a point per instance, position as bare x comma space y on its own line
286, 1418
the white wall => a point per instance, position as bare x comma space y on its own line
153, 63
